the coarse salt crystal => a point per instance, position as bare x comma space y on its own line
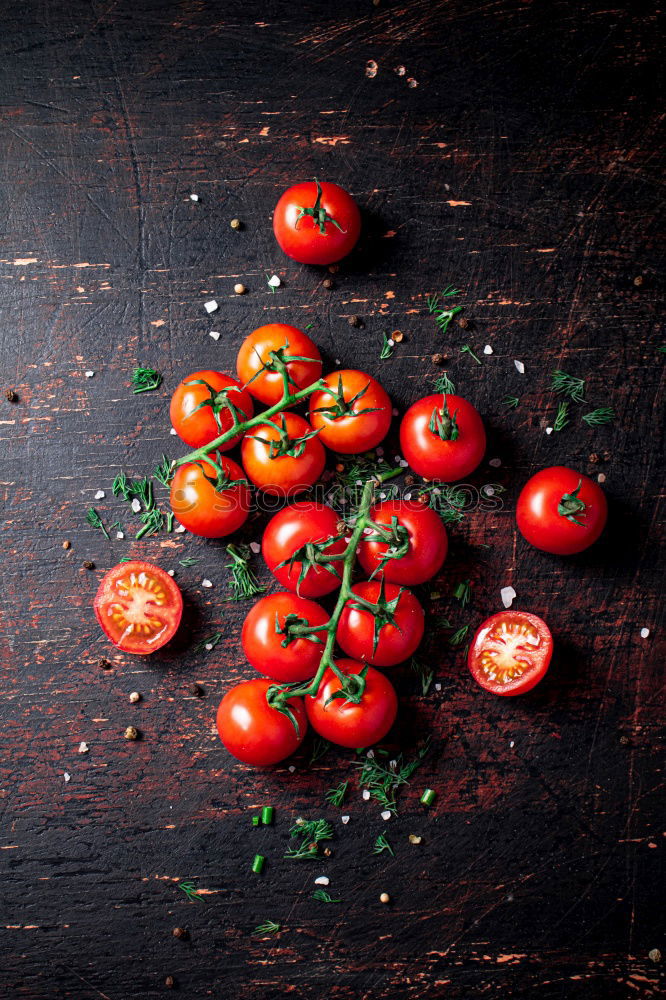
520, 367
512, 744
390, 343
180, 530
136, 505
322, 880
438, 687
507, 594
206, 583
549, 430
274, 281
386, 814
490, 491
100, 495
495, 462
408, 496
370, 754
645, 633
83, 747
487, 349
67, 776
89, 374
291, 768
210, 306
214, 334
194, 197
120, 535
255, 547
404, 463
173, 431
366, 795
208, 647
337, 361
171, 572
344, 819
382, 496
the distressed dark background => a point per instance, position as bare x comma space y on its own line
523, 166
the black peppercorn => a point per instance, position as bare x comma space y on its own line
88, 564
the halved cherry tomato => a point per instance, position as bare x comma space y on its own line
252, 730
442, 437
316, 223
348, 724
207, 502
388, 636
510, 652
296, 529
262, 352
138, 606
271, 641
561, 511
202, 408
283, 456
426, 542
354, 414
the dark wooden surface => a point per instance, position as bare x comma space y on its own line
524, 167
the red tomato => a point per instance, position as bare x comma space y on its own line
200, 409
348, 724
280, 458
561, 511
138, 606
316, 223
207, 503
354, 415
442, 437
510, 652
261, 354
252, 730
427, 542
271, 648
387, 637
289, 532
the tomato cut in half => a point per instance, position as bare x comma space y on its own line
138, 606
510, 652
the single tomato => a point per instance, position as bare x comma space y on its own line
414, 533
202, 408
386, 636
316, 223
353, 414
272, 639
139, 606
209, 501
297, 540
255, 732
442, 437
283, 456
347, 723
271, 350
510, 652
561, 511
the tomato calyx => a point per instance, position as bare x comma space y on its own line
221, 481
382, 611
284, 444
319, 214
276, 361
344, 407
351, 689
276, 696
396, 537
295, 627
443, 424
570, 505
218, 400
311, 555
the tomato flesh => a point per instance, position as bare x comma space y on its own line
510, 652
138, 606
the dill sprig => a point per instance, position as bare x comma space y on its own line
443, 316
324, 897
381, 844
424, 673
569, 385
145, 380
463, 592
188, 561
319, 748
210, 641
604, 415
459, 636
121, 485
511, 402
191, 892
466, 349
153, 521
383, 781
447, 501
311, 832
164, 471
141, 490
243, 581
336, 796
444, 384
268, 927
561, 419
387, 347
95, 521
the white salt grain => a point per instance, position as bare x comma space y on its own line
507, 594
136, 505
520, 367
386, 814
291, 768
100, 495
549, 430
344, 819
438, 687
255, 547
120, 535
487, 349
274, 281
171, 572
67, 776
210, 306
366, 795
194, 197
206, 583
214, 334
83, 747
89, 374
495, 462
180, 530
173, 431
645, 633
322, 880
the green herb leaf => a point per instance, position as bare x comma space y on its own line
268, 927
209, 643
604, 415
444, 384
387, 347
569, 385
511, 402
95, 521
381, 844
191, 892
336, 796
424, 673
561, 420
244, 583
324, 897
145, 380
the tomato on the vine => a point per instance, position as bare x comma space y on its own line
266, 351
442, 437
283, 456
293, 541
510, 652
273, 641
350, 724
138, 606
414, 533
208, 501
353, 414
561, 511
386, 636
255, 732
316, 223
202, 408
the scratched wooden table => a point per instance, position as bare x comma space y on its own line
509, 148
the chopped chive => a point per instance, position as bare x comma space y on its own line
428, 797
145, 380
169, 527
604, 415
188, 561
267, 814
256, 820
258, 864
463, 592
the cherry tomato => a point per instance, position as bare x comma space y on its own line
561, 511
442, 437
270, 645
510, 652
354, 414
282, 456
200, 410
252, 730
209, 503
260, 355
138, 606
426, 542
293, 528
387, 637
349, 724
316, 223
